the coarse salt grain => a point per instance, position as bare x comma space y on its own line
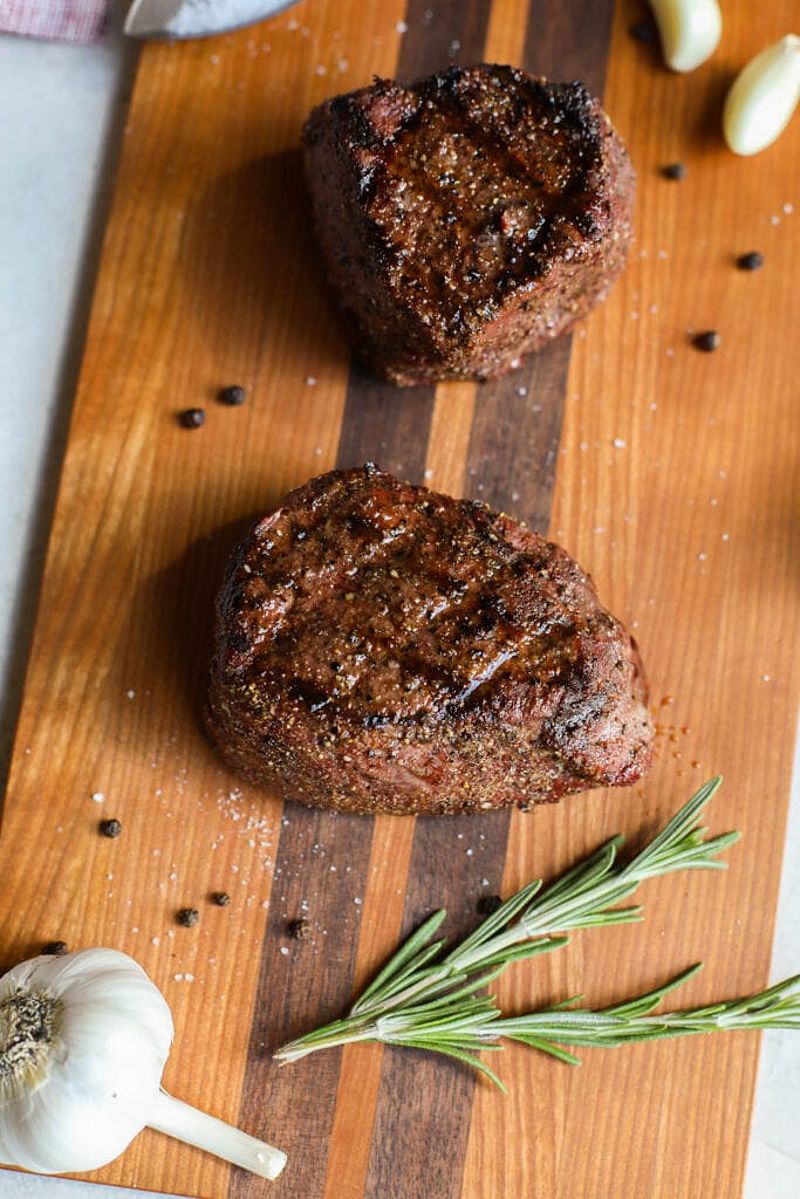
401, 27
98, 796
619, 443
284, 950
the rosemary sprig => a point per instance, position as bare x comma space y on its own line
429, 997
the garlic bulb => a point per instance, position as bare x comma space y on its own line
83, 1043
763, 97
690, 31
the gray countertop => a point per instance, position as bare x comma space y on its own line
61, 113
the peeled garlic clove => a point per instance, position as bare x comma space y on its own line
763, 97
690, 31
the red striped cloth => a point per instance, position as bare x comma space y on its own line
57, 20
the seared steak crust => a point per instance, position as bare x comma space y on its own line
466, 219
382, 648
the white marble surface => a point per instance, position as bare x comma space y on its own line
33, 1186
60, 109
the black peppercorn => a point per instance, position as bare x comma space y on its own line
751, 261
55, 948
221, 898
187, 917
232, 396
488, 904
674, 170
298, 929
644, 32
110, 828
708, 341
192, 418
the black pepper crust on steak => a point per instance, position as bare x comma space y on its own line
468, 218
382, 648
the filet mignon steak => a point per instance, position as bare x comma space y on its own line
382, 648
466, 219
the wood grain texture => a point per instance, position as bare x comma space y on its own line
675, 482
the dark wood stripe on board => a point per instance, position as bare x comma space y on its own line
322, 859
565, 42
423, 1113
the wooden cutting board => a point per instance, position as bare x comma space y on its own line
670, 473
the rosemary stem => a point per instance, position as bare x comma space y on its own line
295, 1050
470, 961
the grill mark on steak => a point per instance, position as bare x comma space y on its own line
458, 622
489, 254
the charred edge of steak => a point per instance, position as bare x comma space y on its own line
381, 647
468, 218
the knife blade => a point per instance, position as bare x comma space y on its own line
197, 18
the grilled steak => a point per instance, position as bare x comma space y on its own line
466, 219
382, 648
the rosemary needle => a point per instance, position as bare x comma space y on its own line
429, 996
